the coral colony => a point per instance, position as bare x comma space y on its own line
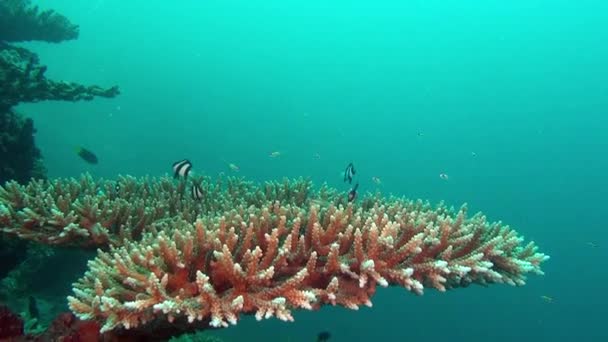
171, 260
23, 80
166, 259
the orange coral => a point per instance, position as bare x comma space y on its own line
271, 259
265, 250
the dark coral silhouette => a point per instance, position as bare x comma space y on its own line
23, 80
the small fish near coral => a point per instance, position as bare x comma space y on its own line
353, 193
349, 173
182, 168
197, 192
233, 167
86, 155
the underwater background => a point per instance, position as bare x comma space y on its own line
508, 99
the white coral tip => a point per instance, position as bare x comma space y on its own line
367, 265
217, 322
279, 301
237, 303
382, 282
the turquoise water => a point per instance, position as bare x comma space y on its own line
507, 98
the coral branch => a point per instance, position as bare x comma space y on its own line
242, 250
23, 80
96, 213
19, 21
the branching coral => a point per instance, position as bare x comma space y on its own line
23, 80
19, 21
21, 76
90, 213
254, 249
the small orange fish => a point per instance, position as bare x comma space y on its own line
376, 180
274, 154
233, 167
444, 176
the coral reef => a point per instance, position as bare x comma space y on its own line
97, 213
22, 80
68, 328
21, 76
12, 251
15, 284
11, 325
19, 21
65, 327
38, 302
168, 261
20, 159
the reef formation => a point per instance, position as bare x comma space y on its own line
168, 263
22, 79
20, 159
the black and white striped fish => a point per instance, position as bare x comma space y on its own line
196, 191
182, 168
349, 173
352, 194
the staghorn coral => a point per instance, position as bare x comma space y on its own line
19, 21
174, 263
98, 213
